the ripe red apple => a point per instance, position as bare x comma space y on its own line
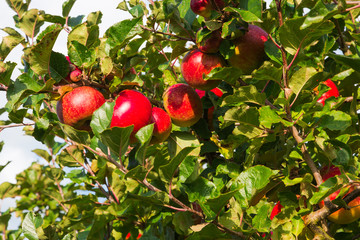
211, 42
210, 113
333, 92
249, 50
162, 125
341, 216
196, 64
183, 105
77, 106
201, 7
204, 7
131, 108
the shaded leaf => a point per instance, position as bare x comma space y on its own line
38, 56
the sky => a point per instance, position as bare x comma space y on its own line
18, 147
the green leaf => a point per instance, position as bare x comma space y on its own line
229, 74
9, 42
319, 13
7, 190
245, 15
218, 203
245, 94
144, 136
182, 222
269, 116
177, 141
66, 7
76, 135
250, 181
244, 115
23, 87
300, 78
261, 222
138, 172
352, 62
101, 118
43, 153
31, 22
167, 171
117, 139
106, 65
30, 224
336, 120
19, 6
38, 56
253, 6
188, 170
84, 34
94, 18
6, 70
209, 231
326, 188
59, 66
268, 72
71, 156
124, 30
297, 225
80, 55
200, 190
292, 36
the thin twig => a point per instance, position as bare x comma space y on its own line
167, 34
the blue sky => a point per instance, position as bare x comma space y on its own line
18, 147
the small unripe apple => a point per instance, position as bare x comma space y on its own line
162, 125
76, 75
183, 105
201, 7
209, 43
249, 50
196, 64
341, 216
131, 108
77, 106
333, 92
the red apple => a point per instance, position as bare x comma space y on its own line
162, 125
201, 7
333, 92
341, 216
77, 106
131, 108
211, 42
196, 64
183, 105
75, 75
249, 50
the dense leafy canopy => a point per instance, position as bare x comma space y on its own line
268, 140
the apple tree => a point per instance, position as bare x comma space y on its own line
264, 141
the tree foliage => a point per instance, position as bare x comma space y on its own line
267, 143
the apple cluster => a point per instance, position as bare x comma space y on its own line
77, 106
